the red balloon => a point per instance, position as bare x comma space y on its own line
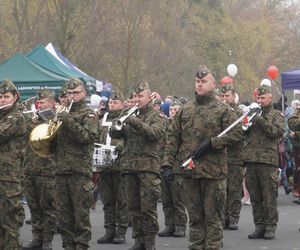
272, 72
226, 80
255, 92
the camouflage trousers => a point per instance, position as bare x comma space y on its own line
143, 192
74, 195
262, 184
11, 215
40, 196
234, 193
205, 202
115, 208
173, 202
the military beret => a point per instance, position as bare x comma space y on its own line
262, 90
202, 71
7, 86
45, 93
176, 102
116, 95
226, 87
73, 83
141, 87
217, 92
63, 91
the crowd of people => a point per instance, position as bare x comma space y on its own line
149, 149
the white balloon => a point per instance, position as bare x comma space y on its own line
266, 82
232, 69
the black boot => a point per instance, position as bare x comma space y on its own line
179, 231
137, 246
33, 245
167, 232
257, 234
269, 235
107, 238
47, 246
119, 239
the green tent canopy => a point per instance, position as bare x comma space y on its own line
28, 76
42, 57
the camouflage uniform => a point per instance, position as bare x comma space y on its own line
74, 172
39, 187
234, 181
172, 197
205, 185
140, 164
112, 189
12, 142
294, 125
260, 154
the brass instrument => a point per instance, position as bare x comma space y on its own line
117, 124
5, 106
42, 138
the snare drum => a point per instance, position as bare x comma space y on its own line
103, 156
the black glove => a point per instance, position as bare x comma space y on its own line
203, 149
167, 173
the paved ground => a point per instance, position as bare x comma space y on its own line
287, 238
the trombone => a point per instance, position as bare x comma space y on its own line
254, 109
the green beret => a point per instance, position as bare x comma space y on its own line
63, 91
116, 95
130, 94
141, 87
7, 86
45, 93
262, 90
217, 92
202, 71
73, 83
227, 87
176, 102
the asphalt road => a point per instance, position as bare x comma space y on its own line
287, 237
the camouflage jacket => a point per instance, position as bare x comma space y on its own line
261, 142
12, 143
141, 141
294, 125
234, 151
34, 164
197, 121
118, 143
75, 141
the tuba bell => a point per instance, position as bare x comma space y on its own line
43, 138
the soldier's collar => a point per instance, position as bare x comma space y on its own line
204, 99
266, 109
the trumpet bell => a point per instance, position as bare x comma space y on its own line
41, 142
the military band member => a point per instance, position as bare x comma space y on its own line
260, 153
39, 184
12, 143
111, 182
140, 162
172, 195
194, 131
75, 144
235, 168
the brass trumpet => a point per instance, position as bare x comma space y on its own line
118, 123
